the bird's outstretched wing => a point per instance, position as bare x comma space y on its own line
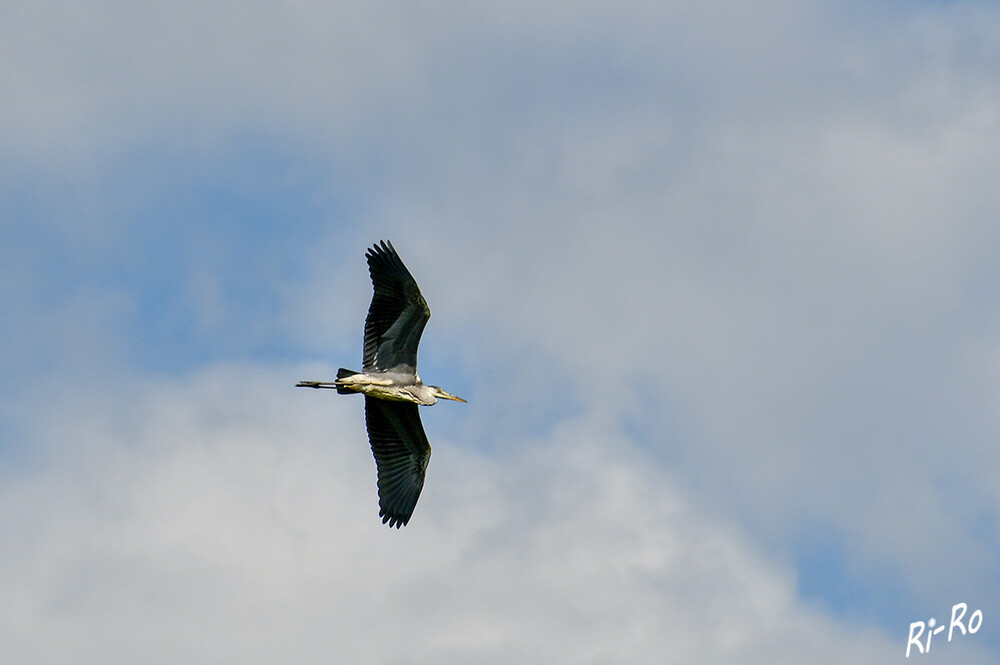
401, 454
397, 315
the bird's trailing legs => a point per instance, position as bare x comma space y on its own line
315, 384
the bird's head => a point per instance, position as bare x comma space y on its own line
441, 393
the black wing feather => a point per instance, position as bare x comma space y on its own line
397, 315
401, 454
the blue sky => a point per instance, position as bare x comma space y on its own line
719, 284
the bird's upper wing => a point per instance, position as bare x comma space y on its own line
401, 455
397, 315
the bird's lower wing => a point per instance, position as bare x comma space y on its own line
401, 454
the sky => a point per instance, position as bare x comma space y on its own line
718, 282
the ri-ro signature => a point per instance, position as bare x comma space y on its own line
958, 611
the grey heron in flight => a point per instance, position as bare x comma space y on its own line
391, 386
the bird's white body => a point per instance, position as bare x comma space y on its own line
393, 386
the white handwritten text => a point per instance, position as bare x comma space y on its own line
957, 614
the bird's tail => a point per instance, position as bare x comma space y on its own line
343, 373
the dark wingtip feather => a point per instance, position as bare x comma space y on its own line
380, 248
393, 520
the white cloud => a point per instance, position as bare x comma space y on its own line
774, 225
227, 517
799, 281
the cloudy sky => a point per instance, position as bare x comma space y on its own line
721, 285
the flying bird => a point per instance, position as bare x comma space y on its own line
392, 388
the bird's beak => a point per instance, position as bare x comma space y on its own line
445, 395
